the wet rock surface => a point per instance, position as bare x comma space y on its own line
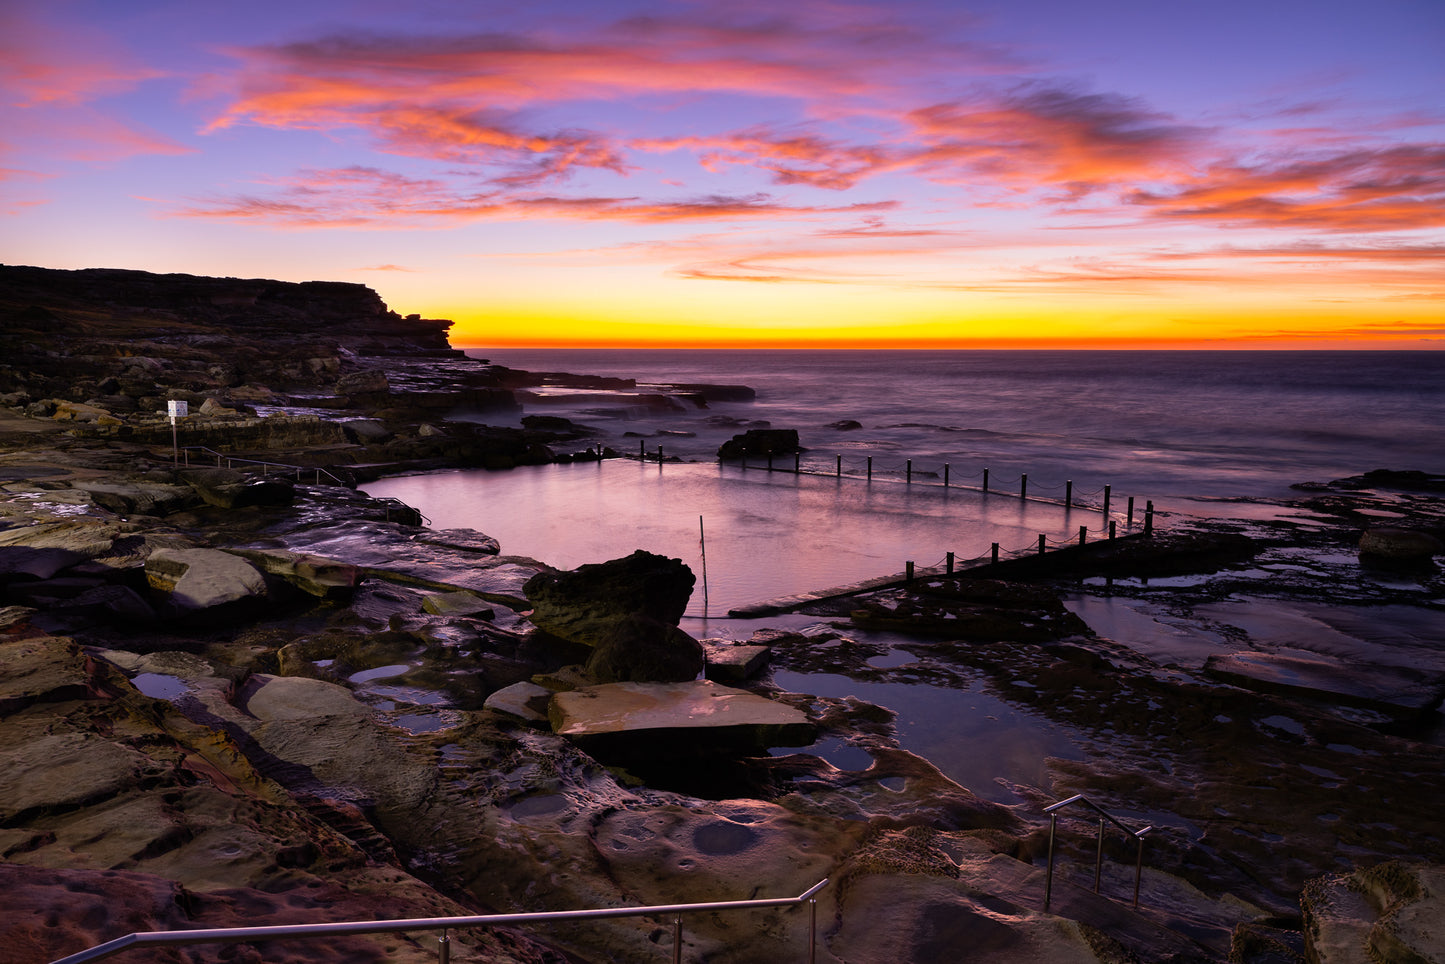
362, 736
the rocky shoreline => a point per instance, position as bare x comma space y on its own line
235, 690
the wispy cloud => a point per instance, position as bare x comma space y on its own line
1387, 189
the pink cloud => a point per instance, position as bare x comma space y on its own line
367, 197
1389, 189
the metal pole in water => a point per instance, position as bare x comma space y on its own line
1112, 528
797, 464
840, 466
770, 461
908, 570
702, 541
870, 468
1106, 501
950, 563
995, 553
1149, 518
1024, 486
659, 456
1069, 494
908, 472
985, 480
1083, 534
1131, 512
945, 475
1041, 543
642, 450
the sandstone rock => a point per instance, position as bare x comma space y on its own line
368, 382
199, 579
213, 408
1400, 691
760, 442
460, 603
317, 575
652, 720
1390, 912
585, 604
526, 701
641, 649
1400, 544
735, 663
230, 489
272, 698
27, 562
140, 498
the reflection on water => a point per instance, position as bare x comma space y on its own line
766, 534
970, 735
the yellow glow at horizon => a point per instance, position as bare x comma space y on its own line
738, 314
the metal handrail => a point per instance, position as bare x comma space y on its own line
234, 935
1053, 812
298, 469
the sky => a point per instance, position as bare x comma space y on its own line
958, 173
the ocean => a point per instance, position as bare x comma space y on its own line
1192, 432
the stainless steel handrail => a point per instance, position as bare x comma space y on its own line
234, 935
1053, 812
298, 469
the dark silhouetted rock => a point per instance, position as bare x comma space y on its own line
642, 649
760, 442
1402, 545
586, 604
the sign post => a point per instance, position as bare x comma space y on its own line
177, 409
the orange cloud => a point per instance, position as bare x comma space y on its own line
1051, 136
1390, 189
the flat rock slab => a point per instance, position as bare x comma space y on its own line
1397, 690
647, 720
734, 664
203, 578
526, 701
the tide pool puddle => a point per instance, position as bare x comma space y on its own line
972, 736
765, 534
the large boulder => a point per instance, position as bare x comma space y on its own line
585, 605
203, 579
1393, 544
645, 649
760, 442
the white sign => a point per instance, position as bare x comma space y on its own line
179, 409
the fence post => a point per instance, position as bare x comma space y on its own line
908, 571
995, 553
950, 563
1083, 534
1112, 524
444, 949
1149, 518
1106, 501
1049, 874
1131, 512
677, 939
1024, 486
1041, 543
